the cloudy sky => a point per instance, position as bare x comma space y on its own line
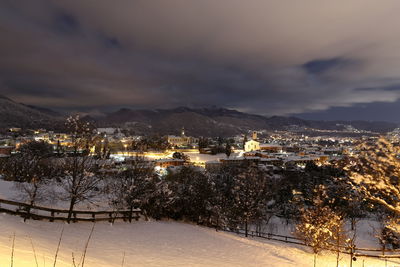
313, 58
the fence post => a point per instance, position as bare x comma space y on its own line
93, 217
52, 216
137, 216
351, 254
130, 214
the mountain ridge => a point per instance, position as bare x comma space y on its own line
224, 122
13, 114
206, 121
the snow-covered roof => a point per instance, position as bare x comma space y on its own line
269, 145
169, 160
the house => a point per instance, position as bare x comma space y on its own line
165, 163
271, 147
251, 145
213, 165
15, 130
6, 150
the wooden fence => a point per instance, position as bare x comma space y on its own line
43, 213
356, 252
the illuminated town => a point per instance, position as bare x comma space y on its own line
206, 133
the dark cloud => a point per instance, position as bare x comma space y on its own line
269, 57
375, 111
323, 65
66, 23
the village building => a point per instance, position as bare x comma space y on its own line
6, 150
251, 145
180, 141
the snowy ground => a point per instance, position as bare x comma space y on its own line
149, 244
9, 191
207, 157
158, 244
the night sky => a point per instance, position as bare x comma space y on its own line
310, 58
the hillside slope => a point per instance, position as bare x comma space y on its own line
154, 244
13, 114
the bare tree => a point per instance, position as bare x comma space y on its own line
31, 168
80, 180
80, 174
81, 133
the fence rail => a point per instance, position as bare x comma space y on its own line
357, 252
43, 213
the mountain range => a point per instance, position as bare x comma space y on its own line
226, 122
196, 121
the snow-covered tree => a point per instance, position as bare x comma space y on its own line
251, 191
180, 155
191, 194
319, 226
81, 132
387, 233
222, 184
31, 168
159, 203
228, 148
80, 179
79, 176
133, 187
375, 172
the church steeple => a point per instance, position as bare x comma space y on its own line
254, 135
183, 131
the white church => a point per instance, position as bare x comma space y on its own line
252, 144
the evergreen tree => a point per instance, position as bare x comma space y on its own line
250, 194
191, 193
244, 140
223, 182
180, 155
228, 149
133, 187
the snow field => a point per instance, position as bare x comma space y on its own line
152, 243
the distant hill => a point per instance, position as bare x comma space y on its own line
13, 114
222, 122
197, 121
